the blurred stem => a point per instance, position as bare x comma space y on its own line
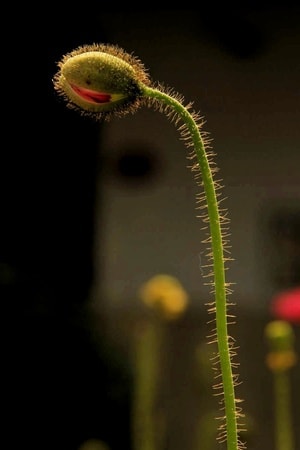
146, 363
283, 417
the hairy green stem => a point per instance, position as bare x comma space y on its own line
218, 259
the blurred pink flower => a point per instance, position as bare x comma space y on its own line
286, 305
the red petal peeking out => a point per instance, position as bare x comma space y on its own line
90, 95
286, 305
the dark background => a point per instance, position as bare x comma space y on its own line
62, 384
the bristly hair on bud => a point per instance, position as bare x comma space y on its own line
101, 81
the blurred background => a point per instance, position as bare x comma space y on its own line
91, 211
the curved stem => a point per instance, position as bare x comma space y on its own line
218, 259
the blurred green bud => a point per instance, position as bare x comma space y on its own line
280, 335
93, 444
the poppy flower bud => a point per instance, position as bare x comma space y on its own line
280, 335
101, 81
286, 305
280, 338
166, 295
